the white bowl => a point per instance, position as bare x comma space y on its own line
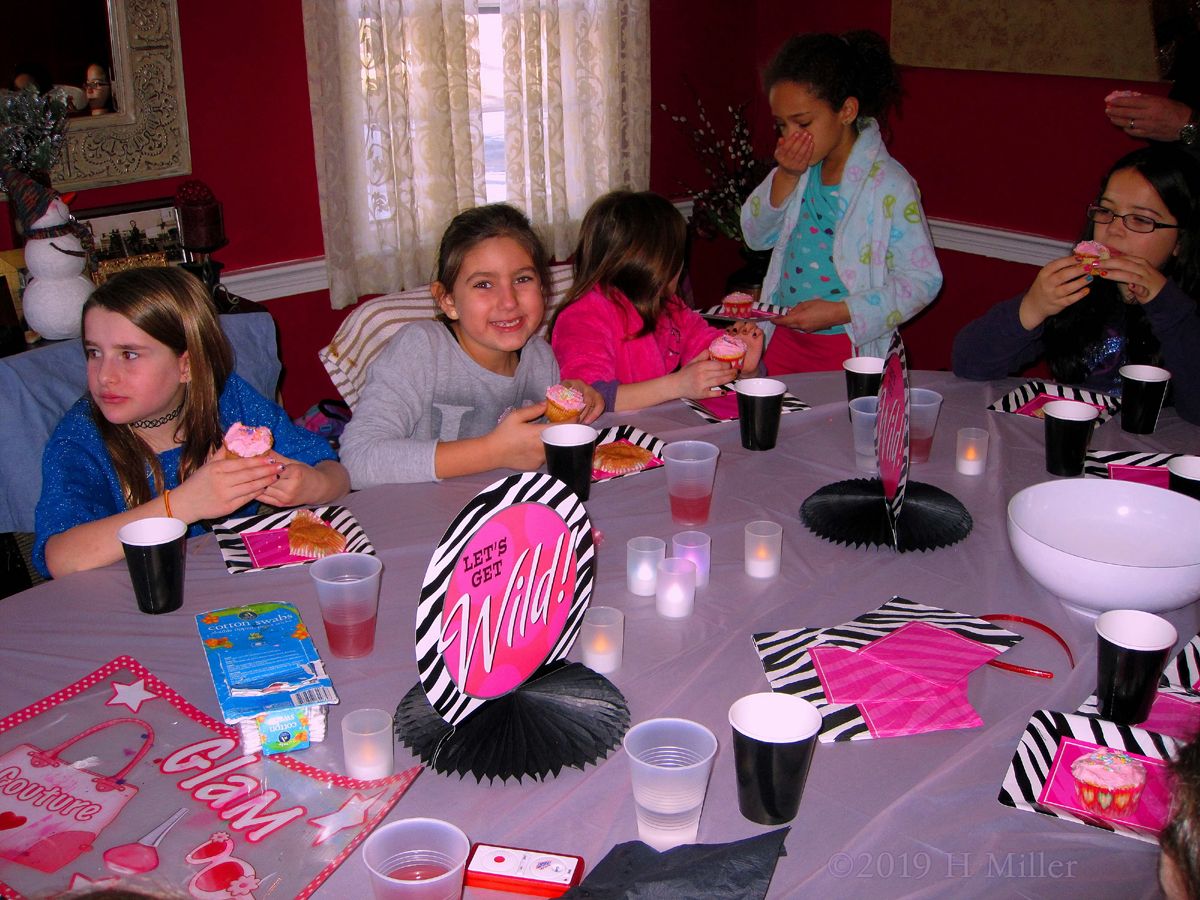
1099, 544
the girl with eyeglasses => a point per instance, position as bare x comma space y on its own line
1089, 319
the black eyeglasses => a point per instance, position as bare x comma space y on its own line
1142, 224
92, 85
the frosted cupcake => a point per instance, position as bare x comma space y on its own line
246, 441
737, 304
563, 403
728, 349
1091, 251
1109, 782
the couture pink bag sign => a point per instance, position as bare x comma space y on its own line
118, 780
50, 811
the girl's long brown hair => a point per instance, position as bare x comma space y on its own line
173, 308
632, 242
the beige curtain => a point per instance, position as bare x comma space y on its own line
576, 107
397, 126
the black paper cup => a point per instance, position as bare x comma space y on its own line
1069, 427
774, 735
760, 403
1133, 650
154, 552
569, 452
863, 376
1185, 475
1143, 389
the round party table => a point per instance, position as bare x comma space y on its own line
908, 816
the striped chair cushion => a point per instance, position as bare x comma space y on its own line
365, 331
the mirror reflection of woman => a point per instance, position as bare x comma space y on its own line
98, 88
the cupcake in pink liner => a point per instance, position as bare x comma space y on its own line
246, 441
1091, 251
728, 349
1109, 782
1116, 95
737, 304
563, 403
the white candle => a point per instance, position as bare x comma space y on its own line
642, 556
972, 451
676, 593
603, 637
696, 546
764, 543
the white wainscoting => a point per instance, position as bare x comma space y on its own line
300, 276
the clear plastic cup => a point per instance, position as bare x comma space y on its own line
691, 469
863, 413
923, 409
348, 591
417, 859
670, 761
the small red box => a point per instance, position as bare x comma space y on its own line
522, 871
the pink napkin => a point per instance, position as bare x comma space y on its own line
1174, 717
850, 677
932, 653
270, 548
724, 408
896, 718
1159, 476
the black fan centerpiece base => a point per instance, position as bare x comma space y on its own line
564, 715
855, 512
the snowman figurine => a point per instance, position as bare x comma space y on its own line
54, 255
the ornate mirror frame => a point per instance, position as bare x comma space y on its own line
148, 135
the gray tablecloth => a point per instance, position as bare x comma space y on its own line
913, 816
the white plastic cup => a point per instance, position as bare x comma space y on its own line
696, 546
417, 859
367, 744
923, 409
691, 469
642, 555
670, 761
348, 592
863, 413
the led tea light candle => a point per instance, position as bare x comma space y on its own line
367, 744
675, 595
603, 636
642, 557
764, 544
972, 451
696, 546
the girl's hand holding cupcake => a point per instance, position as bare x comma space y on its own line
222, 485
516, 443
593, 403
1136, 275
752, 336
299, 484
703, 377
1060, 283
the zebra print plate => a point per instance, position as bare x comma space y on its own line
237, 557
1098, 462
1183, 672
634, 436
789, 665
1032, 763
1017, 399
552, 513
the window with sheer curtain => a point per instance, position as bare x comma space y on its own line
424, 108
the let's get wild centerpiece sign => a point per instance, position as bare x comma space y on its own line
501, 605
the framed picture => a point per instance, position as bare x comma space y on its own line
129, 230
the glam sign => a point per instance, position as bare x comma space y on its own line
891, 429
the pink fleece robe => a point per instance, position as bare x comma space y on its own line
594, 339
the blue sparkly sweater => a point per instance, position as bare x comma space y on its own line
79, 483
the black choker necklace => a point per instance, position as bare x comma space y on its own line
154, 423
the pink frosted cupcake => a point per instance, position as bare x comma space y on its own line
1091, 251
246, 441
728, 349
563, 403
1109, 782
737, 304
